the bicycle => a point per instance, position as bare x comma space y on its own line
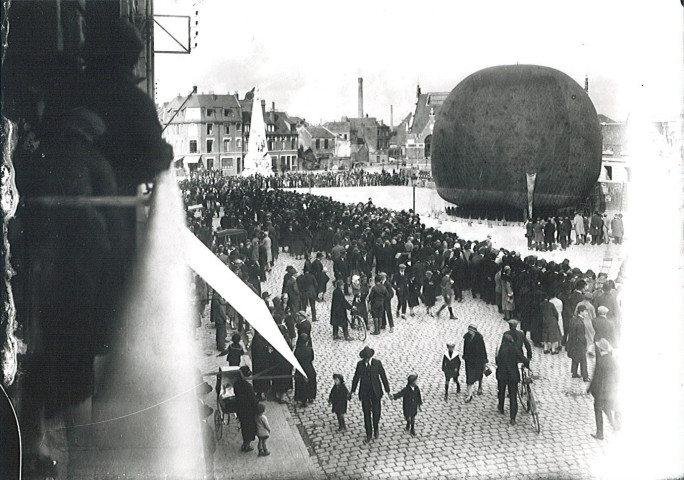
357, 327
526, 397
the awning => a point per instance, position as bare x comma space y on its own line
192, 159
178, 161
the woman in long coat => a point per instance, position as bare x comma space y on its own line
551, 335
413, 291
429, 292
475, 357
576, 346
281, 368
305, 391
338, 311
261, 361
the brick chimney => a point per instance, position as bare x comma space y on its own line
391, 116
263, 107
272, 114
360, 97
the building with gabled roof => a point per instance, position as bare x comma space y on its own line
319, 140
421, 123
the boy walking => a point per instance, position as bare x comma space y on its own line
411, 402
338, 400
451, 365
263, 430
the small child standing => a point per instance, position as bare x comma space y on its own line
235, 351
263, 430
411, 403
338, 400
451, 365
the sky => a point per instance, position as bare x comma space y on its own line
306, 56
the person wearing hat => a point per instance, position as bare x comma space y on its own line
429, 293
338, 312
387, 306
411, 403
400, 282
291, 288
218, 314
577, 344
370, 377
246, 408
338, 400
376, 299
446, 284
603, 326
451, 366
508, 375
617, 228
305, 388
506, 298
303, 327
519, 339
475, 357
603, 387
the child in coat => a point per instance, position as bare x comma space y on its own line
263, 430
235, 351
411, 403
451, 365
338, 400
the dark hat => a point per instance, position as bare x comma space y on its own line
452, 345
367, 352
245, 371
338, 375
319, 255
472, 327
301, 314
236, 338
290, 269
412, 378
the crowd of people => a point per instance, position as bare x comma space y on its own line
340, 178
378, 255
554, 232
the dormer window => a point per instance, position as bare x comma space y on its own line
210, 112
226, 112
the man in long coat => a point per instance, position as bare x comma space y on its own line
308, 287
218, 315
376, 298
578, 224
261, 362
577, 345
507, 374
246, 408
370, 377
338, 312
603, 387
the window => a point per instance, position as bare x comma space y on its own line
227, 128
238, 142
226, 112
193, 146
226, 144
210, 145
210, 128
210, 112
227, 162
345, 136
318, 143
270, 145
325, 143
293, 144
238, 126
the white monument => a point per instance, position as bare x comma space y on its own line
257, 159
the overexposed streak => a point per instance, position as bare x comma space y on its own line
651, 395
235, 292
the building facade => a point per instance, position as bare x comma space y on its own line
211, 132
320, 141
421, 124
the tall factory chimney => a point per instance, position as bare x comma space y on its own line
360, 97
392, 116
586, 83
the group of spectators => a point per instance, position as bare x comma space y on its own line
341, 178
374, 252
552, 232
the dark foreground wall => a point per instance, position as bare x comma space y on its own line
501, 123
